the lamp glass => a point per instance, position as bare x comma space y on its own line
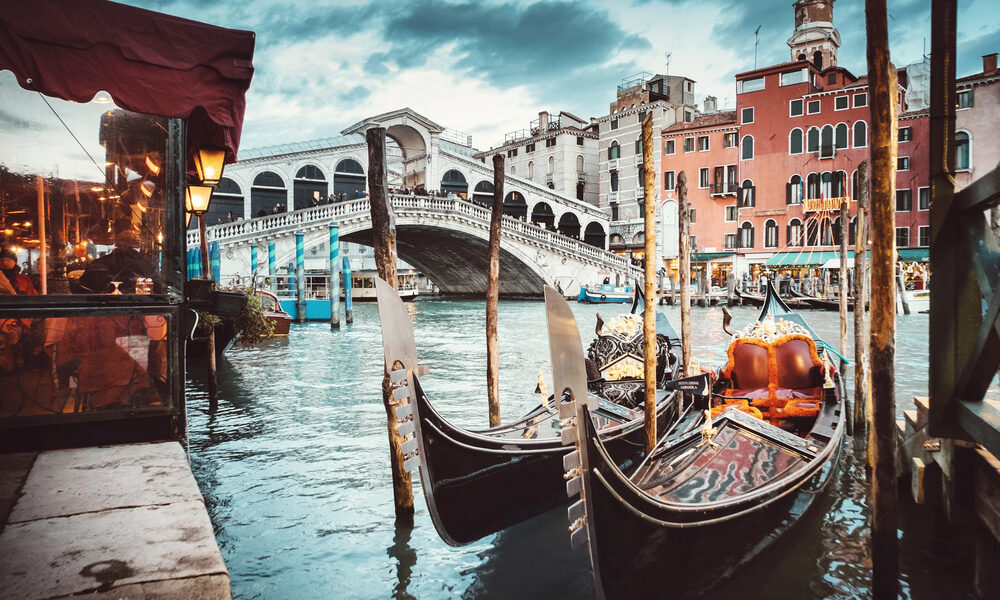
209, 162
197, 198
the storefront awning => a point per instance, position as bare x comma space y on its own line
805, 258
915, 254
148, 62
710, 256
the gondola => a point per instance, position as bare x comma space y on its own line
479, 482
712, 495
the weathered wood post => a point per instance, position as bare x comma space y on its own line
730, 289
493, 295
843, 296
882, 434
300, 277
649, 283
384, 238
348, 291
901, 288
334, 275
684, 269
673, 291
861, 387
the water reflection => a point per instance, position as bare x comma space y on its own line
295, 471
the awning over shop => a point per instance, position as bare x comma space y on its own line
710, 256
805, 258
915, 254
148, 62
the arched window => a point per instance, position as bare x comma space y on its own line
840, 139
531, 169
513, 170
594, 235
614, 181
795, 191
812, 140
812, 185
348, 178
483, 193
543, 216
569, 225
826, 142
552, 165
839, 183
454, 181
579, 163
794, 232
614, 151
854, 186
826, 232
836, 231
747, 148
826, 185
227, 198
860, 134
309, 187
795, 141
770, 234
818, 59
268, 194
963, 151
746, 235
747, 194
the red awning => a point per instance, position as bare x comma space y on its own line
149, 62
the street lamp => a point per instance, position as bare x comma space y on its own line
208, 161
196, 200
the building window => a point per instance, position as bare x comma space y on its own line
841, 103
904, 200
731, 214
512, 153
826, 142
839, 184
513, 170
731, 179
793, 77
689, 144
860, 100
702, 143
614, 123
747, 194
964, 99
668, 180
840, 138
793, 190
904, 134
703, 177
924, 236
642, 116
730, 241
638, 146
770, 234
812, 107
812, 140
579, 164
614, 151
746, 235
614, 181
550, 142
831, 78
812, 186
668, 146
924, 198
747, 150
795, 141
902, 237
688, 115
579, 141
747, 116
963, 151
552, 164
860, 134
794, 232
529, 148
531, 169
750, 85
692, 217
729, 140
903, 163
795, 108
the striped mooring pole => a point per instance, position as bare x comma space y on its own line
253, 264
348, 287
272, 267
300, 277
334, 275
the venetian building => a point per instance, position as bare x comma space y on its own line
815, 38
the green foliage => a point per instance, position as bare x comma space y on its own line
250, 324
206, 323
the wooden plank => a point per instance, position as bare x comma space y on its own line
982, 421
986, 495
493, 295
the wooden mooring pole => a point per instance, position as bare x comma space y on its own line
842, 276
649, 283
861, 383
348, 291
384, 234
882, 434
684, 269
493, 295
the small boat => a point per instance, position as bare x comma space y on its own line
363, 286
479, 482
280, 320
748, 298
730, 480
606, 294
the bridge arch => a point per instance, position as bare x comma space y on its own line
515, 206
348, 177
454, 181
594, 235
542, 214
309, 179
483, 193
413, 144
267, 190
569, 225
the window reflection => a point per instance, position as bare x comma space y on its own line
82, 364
82, 197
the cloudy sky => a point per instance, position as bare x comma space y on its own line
487, 67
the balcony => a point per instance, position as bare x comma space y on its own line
612, 164
548, 178
581, 177
721, 188
823, 204
613, 197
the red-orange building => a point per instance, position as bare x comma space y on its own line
766, 181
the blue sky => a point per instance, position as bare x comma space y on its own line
486, 68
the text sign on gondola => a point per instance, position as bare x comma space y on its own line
699, 385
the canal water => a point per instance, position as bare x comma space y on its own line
294, 468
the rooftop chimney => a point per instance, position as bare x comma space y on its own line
711, 105
989, 63
543, 121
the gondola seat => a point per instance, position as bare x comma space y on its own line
782, 378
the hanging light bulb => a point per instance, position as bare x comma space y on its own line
147, 188
152, 166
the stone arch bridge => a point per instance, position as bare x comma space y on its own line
445, 238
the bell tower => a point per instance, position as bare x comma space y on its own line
815, 38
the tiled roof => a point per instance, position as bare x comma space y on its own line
710, 120
913, 114
861, 82
797, 63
